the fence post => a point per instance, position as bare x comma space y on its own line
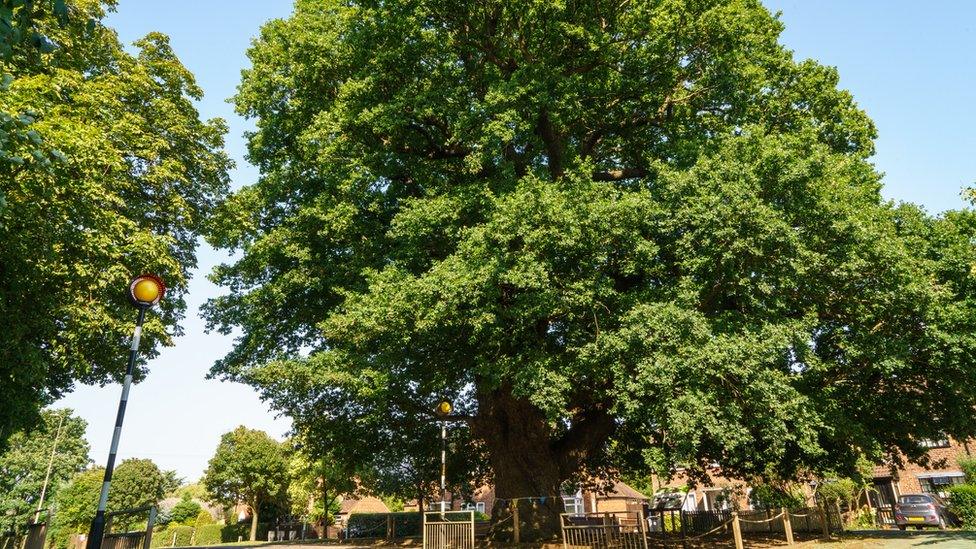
787, 526
515, 521
684, 536
737, 530
664, 531
389, 526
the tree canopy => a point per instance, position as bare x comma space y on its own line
136, 483
614, 234
107, 171
59, 442
248, 467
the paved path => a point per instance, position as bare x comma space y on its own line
895, 539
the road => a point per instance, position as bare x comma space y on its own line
893, 539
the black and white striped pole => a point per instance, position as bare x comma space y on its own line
444, 410
144, 292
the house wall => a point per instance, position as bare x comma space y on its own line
909, 478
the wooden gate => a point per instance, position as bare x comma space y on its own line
449, 530
617, 530
125, 539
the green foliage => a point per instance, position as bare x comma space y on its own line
204, 518
173, 534
194, 491
75, 505
171, 483
393, 503
136, 483
19, 29
318, 481
374, 525
186, 512
962, 502
597, 229
209, 534
249, 467
107, 171
770, 496
861, 519
836, 490
968, 466
59, 441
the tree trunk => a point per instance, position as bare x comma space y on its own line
527, 470
531, 460
254, 520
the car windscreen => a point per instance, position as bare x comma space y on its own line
913, 500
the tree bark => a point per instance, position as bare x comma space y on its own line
527, 471
254, 520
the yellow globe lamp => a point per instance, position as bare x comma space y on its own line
146, 290
444, 408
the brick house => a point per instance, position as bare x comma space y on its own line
620, 497
941, 472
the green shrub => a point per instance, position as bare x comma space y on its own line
209, 534
242, 530
204, 518
861, 519
968, 466
185, 512
373, 525
962, 502
172, 535
768, 496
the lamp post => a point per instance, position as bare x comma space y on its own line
444, 410
145, 291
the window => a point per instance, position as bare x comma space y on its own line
940, 485
478, 506
941, 442
573, 504
719, 499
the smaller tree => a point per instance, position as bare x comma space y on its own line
40, 462
135, 483
75, 505
316, 483
185, 511
248, 467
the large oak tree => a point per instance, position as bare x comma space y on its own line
615, 233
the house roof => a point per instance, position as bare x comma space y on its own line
366, 504
622, 490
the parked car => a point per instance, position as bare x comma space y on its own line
921, 510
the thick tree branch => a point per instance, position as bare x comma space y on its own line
554, 145
587, 434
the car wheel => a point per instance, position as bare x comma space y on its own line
902, 527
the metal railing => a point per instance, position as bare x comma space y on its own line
623, 529
449, 530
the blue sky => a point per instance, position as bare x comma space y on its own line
908, 64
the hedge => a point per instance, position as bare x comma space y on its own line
962, 502
205, 534
373, 525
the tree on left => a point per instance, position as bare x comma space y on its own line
59, 443
106, 171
